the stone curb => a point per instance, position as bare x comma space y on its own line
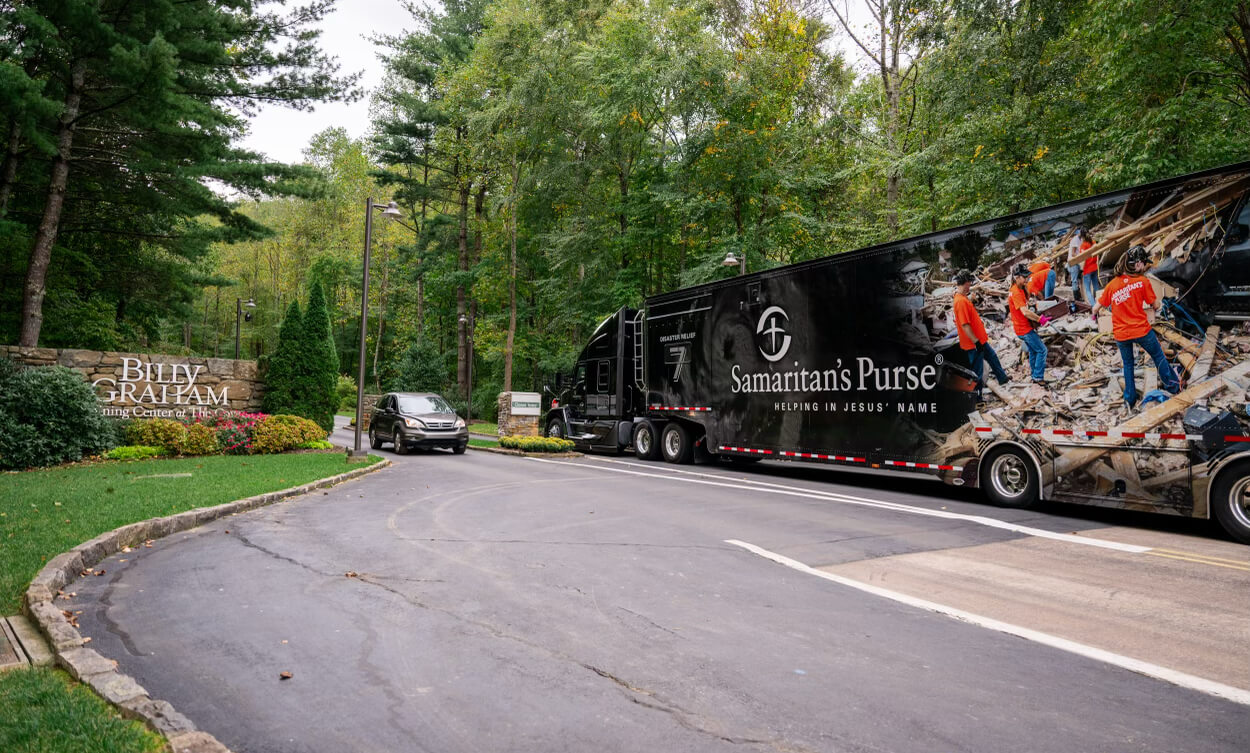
90, 667
522, 453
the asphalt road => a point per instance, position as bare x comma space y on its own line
502, 603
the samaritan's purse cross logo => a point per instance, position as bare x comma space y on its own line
772, 331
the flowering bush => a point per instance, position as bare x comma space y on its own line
234, 433
282, 432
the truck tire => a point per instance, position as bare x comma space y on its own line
675, 443
557, 429
1230, 499
1010, 478
646, 441
374, 442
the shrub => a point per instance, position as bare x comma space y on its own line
422, 368
234, 433
280, 433
346, 389
166, 433
49, 415
133, 452
536, 444
280, 379
201, 440
316, 444
316, 395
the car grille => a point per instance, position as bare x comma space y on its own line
440, 424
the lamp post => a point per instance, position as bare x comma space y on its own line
390, 211
238, 314
467, 321
733, 261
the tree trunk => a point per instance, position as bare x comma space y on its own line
462, 348
8, 173
512, 265
45, 236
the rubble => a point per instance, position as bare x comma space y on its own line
1084, 369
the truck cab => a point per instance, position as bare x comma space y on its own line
596, 407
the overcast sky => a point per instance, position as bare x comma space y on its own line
283, 134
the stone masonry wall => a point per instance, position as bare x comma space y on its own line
514, 426
170, 376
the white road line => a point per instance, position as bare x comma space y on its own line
795, 491
1192, 682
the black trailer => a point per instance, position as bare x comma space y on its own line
840, 360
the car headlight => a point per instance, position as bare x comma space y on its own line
414, 423
459, 423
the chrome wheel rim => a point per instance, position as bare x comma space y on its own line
672, 444
1009, 475
643, 443
1239, 502
555, 430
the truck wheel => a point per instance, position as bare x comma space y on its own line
675, 443
557, 429
646, 443
1230, 500
1009, 478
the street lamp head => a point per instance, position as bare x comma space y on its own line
730, 260
392, 211
464, 319
251, 303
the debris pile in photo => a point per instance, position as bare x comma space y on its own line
1084, 389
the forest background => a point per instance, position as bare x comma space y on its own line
557, 159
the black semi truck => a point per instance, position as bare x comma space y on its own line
852, 360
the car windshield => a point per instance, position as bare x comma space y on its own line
432, 404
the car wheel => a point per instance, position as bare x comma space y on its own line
675, 443
557, 429
459, 449
1230, 500
400, 447
374, 442
646, 444
1010, 478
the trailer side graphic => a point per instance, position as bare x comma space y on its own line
856, 359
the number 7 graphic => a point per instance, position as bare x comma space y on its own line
678, 355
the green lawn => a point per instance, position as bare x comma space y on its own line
484, 428
475, 442
44, 711
44, 513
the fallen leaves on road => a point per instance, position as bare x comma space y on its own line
285, 676
352, 574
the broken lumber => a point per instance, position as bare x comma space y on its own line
1075, 459
1203, 365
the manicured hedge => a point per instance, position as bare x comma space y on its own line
49, 415
134, 452
536, 444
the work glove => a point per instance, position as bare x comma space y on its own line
1043, 320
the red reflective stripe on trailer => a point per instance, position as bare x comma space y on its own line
1062, 432
1231, 438
984, 428
1096, 433
1032, 431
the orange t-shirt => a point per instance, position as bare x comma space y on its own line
1016, 301
1037, 282
1124, 296
966, 313
1091, 264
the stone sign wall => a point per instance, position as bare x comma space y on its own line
518, 414
141, 385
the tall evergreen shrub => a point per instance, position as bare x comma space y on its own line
282, 379
318, 396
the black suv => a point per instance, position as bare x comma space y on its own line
416, 419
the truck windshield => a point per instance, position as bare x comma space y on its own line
432, 404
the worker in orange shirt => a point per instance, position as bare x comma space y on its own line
1089, 270
1128, 296
973, 339
1025, 321
1041, 279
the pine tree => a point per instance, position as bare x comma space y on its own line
317, 398
280, 381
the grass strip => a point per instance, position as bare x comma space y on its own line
43, 711
475, 442
484, 428
46, 512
